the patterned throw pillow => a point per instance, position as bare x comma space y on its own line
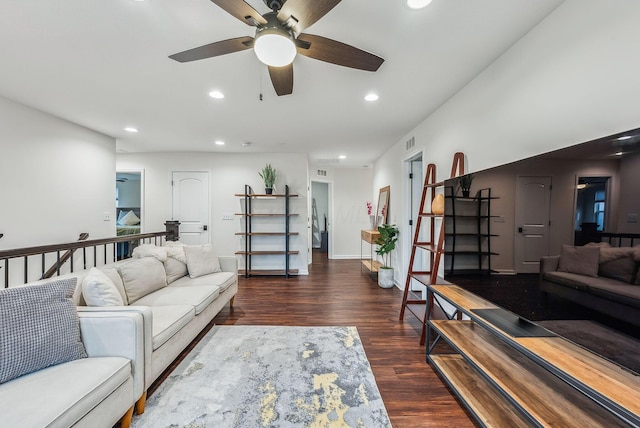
40, 328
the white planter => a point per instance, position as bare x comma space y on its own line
385, 277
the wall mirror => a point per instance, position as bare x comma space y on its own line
383, 206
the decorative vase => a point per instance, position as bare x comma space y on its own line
385, 277
372, 220
268, 190
437, 205
465, 193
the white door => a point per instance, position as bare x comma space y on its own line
191, 205
533, 197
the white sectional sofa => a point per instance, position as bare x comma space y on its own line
172, 292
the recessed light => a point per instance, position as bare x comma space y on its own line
219, 143
624, 137
418, 4
619, 153
342, 157
131, 129
216, 94
371, 97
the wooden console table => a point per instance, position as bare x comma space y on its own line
369, 236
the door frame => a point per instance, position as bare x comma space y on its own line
407, 208
140, 171
607, 225
329, 221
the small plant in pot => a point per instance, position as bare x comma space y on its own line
386, 244
465, 184
268, 175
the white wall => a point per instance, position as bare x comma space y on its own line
228, 174
57, 179
571, 79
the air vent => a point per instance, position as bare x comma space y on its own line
411, 142
322, 172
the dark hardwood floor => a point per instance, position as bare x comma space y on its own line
336, 292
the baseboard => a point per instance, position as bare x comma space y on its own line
345, 257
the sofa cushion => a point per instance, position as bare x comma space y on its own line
579, 282
99, 290
198, 297
623, 269
66, 392
168, 320
39, 328
175, 269
141, 277
623, 293
220, 279
579, 260
201, 260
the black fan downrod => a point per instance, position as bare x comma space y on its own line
274, 5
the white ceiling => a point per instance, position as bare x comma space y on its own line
103, 64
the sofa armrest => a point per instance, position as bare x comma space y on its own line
123, 331
548, 264
228, 263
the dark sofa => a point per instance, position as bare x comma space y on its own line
597, 276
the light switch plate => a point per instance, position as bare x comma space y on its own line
228, 216
106, 216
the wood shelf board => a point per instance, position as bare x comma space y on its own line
462, 298
596, 373
370, 236
425, 279
266, 253
545, 397
429, 247
417, 309
436, 184
372, 265
490, 407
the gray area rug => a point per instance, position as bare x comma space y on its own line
611, 344
270, 376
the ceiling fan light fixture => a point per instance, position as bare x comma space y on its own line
274, 47
418, 4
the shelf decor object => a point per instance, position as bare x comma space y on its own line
434, 245
253, 218
268, 175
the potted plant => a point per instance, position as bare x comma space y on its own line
465, 184
386, 244
268, 175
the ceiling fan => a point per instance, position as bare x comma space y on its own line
279, 36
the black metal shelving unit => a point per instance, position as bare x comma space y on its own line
249, 216
468, 233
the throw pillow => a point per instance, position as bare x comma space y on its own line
99, 290
40, 328
175, 269
175, 249
114, 275
150, 250
579, 260
130, 219
141, 277
201, 260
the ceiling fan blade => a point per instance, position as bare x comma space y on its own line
304, 12
241, 10
214, 49
282, 79
338, 53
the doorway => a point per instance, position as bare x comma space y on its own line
129, 197
591, 208
191, 205
414, 178
320, 218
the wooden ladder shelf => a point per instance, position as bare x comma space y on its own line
434, 245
